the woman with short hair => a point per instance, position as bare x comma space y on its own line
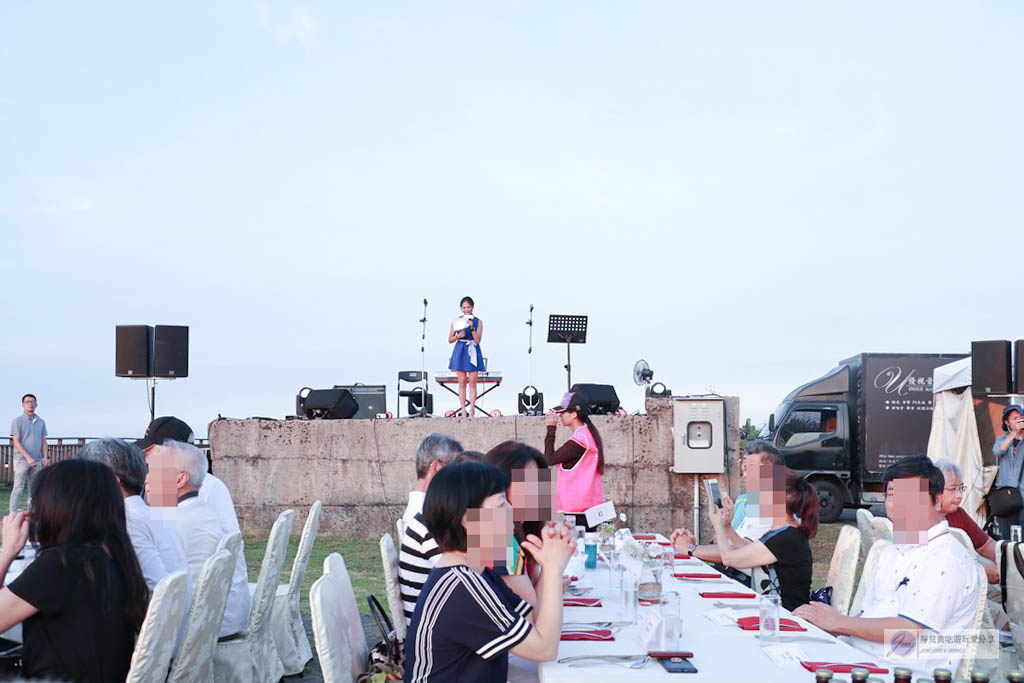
83, 599
466, 619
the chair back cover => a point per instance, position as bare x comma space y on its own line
979, 655
842, 571
159, 631
353, 622
233, 543
195, 657
868, 575
270, 571
330, 630
867, 531
389, 557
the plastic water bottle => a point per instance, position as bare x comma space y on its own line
590, 548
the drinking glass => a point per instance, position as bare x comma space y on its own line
668, 560
629, 598
1015, 536
768, 619
671, 620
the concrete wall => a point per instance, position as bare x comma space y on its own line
362, 470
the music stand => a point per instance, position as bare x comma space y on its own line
568, 330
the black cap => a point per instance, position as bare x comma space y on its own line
163, 428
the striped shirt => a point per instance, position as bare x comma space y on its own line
464, 627
416, 557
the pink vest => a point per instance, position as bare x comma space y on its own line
580, 488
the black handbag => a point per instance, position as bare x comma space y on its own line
1006, 501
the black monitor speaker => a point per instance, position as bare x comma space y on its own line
601, 398
990, 367
133, 350
330, 404
1018, 370
372, 399
170, 351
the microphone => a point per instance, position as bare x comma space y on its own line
424, 302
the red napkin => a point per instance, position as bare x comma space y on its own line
644, 537
754, 624
844, 668
680, 556
596, 634
728, 595
698, 576
581, 602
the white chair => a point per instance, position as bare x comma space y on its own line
1014, 597
882, 527
232, 543
389, 557
842, 571
252, 657
286, 621
400, 527
965, 541
867, 575
194, 662
978, 652
159, 631
867, 531
337, 628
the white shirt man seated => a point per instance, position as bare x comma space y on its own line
200, 527
926, 582
157, 545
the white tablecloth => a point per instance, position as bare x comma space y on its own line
721, 653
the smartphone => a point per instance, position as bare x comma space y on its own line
714, 493
678, 665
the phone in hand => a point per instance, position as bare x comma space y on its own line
714, 492
678, 665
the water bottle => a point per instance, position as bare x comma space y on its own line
590, 548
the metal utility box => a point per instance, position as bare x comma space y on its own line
699, 435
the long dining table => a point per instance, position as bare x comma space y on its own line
721, 652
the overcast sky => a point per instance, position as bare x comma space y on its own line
740, 193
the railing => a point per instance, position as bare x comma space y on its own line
57, 449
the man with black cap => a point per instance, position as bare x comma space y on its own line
1009, 451
213, 491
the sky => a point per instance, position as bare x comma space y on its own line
740, 193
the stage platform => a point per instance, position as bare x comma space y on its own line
362, 470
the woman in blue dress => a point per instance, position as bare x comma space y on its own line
467, 358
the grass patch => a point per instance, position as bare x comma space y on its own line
822, 546
362, 559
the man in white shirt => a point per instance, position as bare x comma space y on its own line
156, 544
926, 581
199, 525
418, 552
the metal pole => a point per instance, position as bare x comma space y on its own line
152, 399
568, 366
423, 361
529, 350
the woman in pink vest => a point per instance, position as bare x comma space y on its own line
580, 460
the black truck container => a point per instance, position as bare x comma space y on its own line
843, 429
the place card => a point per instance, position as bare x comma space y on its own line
786, 654
651, 635
721, 617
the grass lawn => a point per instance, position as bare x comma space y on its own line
362, 559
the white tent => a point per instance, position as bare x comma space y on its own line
954, 434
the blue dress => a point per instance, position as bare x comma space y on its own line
462, 354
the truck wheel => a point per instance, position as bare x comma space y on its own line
830, 501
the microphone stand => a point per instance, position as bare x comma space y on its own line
529, 350
423, 360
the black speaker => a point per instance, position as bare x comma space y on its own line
990, 367
601, 398
170, 351
133, 350
372, 399
1018, 367
331, 404
531, 401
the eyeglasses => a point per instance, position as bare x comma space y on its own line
957, 489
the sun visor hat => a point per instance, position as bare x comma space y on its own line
1006, 413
